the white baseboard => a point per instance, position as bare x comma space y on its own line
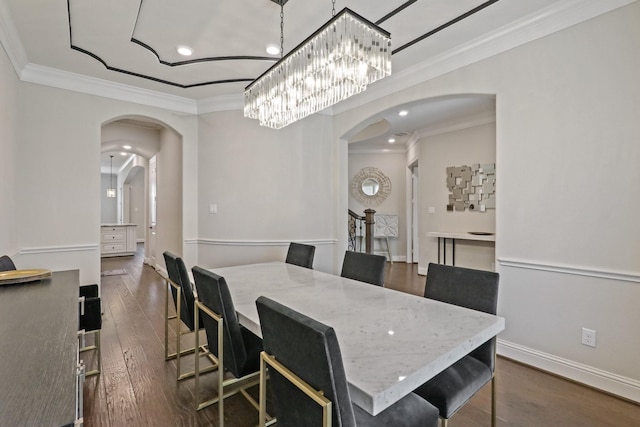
627, 388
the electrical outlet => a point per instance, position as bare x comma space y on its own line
589, 337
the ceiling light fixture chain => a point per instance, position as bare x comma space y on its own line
281, 28
333, 7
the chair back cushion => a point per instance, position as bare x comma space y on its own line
179, 275
310, 350
6, 263
465, 287
91, 320
368, 268
300, 254
213, 292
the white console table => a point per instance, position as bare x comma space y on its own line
460, 235
117, 239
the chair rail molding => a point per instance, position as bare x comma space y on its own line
569, 269
56, 249
230, 242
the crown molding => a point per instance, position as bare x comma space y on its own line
53, 77
221, 103
466, 122
560, 15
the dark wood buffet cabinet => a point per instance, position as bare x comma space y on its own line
41, 376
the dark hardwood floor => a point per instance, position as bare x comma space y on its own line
137, 387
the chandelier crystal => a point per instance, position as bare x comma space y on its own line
337, 61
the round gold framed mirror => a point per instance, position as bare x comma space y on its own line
370, 186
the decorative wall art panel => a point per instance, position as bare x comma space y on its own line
472, 187
385, 225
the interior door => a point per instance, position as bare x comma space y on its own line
415, 218
153, 198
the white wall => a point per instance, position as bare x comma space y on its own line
9, 88
394, 166
271, 187
437, 152
566, 221
169, 196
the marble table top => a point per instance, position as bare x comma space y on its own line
391, 342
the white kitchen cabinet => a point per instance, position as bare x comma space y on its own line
117, 239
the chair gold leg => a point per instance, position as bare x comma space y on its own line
231, 386
96, 347
263, 393
493, 401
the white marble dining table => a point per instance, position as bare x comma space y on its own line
391, 342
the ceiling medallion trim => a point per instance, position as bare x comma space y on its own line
445, 25
230, 58
140, 75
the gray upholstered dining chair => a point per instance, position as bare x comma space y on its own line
6, 263
236, 349
183, 298
453, 387
364, 267
300, 254
308, 379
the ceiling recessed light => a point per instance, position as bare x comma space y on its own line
272, 49
126, 147
185, 51
124, 154
392, 140
403, 113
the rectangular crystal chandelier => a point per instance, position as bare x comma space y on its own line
337, 61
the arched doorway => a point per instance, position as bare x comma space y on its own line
151, 201
395, 143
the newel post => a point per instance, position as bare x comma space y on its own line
368, 223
